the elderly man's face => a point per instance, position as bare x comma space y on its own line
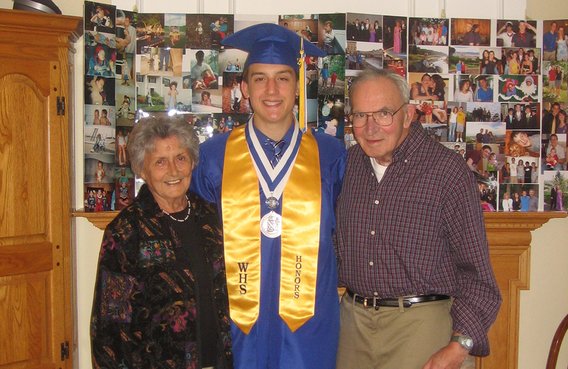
377, 141
167, 172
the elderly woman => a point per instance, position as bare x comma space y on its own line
160, 297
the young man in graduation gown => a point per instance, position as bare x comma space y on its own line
276, 186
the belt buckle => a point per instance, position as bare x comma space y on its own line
376, 302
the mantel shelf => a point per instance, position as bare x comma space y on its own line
532, 220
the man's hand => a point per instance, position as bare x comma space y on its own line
451, 356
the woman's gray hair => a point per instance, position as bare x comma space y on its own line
143, 137
371, 74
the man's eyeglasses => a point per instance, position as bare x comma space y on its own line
381, 117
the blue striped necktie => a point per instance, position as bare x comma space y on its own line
277, 149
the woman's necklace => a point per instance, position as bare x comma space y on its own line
187, 215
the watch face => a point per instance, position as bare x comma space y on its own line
465, 341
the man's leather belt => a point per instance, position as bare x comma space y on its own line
407, 301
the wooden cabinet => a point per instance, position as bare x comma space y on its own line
36, 315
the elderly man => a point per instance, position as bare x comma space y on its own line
276, 187
411, 242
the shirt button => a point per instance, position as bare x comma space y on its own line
372, 233
371, 263
375, 294
406, 160
376, 202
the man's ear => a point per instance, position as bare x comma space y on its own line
244, 89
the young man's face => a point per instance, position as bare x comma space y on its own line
271, 90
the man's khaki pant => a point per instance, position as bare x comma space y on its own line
392, 337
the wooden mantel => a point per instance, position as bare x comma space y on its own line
509, 236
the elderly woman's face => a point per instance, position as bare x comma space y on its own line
167, 172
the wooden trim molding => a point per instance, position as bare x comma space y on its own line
509, 236
98, 219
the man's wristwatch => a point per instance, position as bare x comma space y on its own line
465, 341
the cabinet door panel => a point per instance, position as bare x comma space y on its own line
32, 294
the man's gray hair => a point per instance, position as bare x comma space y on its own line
371, 74
142, 139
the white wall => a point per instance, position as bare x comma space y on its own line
542, 308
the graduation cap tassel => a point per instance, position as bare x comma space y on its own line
302, 88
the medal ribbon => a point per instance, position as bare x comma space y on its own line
299, 241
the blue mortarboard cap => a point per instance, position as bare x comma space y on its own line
268, 43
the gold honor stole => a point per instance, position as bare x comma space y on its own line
301, 207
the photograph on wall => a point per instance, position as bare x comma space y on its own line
100, 115
304, 25
457, 118
206, 31
125, 32
207, 101
99, 91
516, 33
484, 112
554, 151
429, 86
555, 81
471, 32
484, 88
332, 36
397, 64
518, 197
233, 100
99, 168
555, 40
490, 61
433, 117
203, 68
149, 31
555, 191
554, 117
125, 104
428, 31
364, 27
98, 197
332, 75
124, 187
121, 156
100, 54
521, 116
518, 88
463, 60
395, 35
428, 59
100, 17
331, 115
519, 60
99, 140
231, 60
522, 143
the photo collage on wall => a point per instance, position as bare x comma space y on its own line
494, 91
